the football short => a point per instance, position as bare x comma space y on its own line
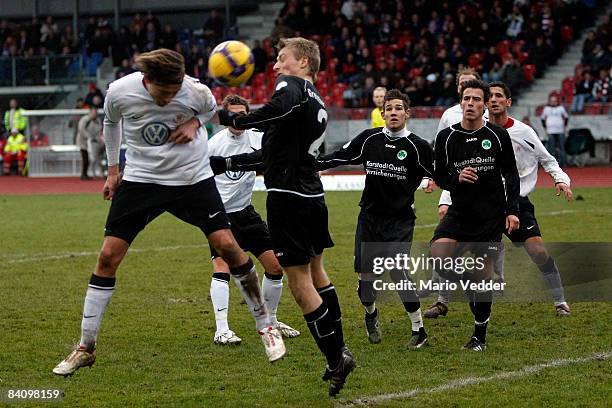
374, 233
528, 224
298, 226
478, 236
250, 231
134, 205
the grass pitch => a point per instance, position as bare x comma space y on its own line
155, 346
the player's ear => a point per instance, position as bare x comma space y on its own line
407, 112
509, 102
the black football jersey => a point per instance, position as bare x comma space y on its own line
293, 123
489, 151
395, 164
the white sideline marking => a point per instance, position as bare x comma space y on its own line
64, 255
465, 382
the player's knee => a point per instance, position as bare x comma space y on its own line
275, 270
108, 261
226, 247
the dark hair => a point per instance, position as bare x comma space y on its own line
234, 99
500, 84
163, 66
478, 84
397, 94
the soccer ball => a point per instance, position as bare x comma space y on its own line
231, 63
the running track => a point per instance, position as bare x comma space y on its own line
13, 185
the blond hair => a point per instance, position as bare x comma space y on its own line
301, 48
162, 66
466, 71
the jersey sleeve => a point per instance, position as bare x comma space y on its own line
425, 158
509, 172
350, 153
286, 98
547, 160
112, 128
252, 161
445, 174
207, 101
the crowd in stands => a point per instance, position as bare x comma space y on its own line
591, 86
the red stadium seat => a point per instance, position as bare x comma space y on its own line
506, 57
605, 109
522, 57
518, 46
258, 80
246, 92
260, 96
379, 51
474, 60
592, 108
360, 113
414, 72
420, 112
217, 92
529, 72
338, 100
567, 33
437, 111
503, 47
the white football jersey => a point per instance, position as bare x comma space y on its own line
529, 152
235, 187
146, 127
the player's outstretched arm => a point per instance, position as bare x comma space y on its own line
350, 153
287, 97
252, 161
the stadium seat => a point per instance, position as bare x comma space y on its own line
518, 46
246, 92
503, 47
361, 113
522, 57
592, 108
437, 111
474, 60
420, 112
414, 72
529, 72
260, 96
258, 80
379, 51
506, 57
217, 92
567, 33
605, 109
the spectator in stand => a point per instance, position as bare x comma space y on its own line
515, 22
151, 41
447, 92
16, 149
38, 138
168, 38
512, 74
125, 69
89, 129
541, 55
93, 91
583, 92
73, 123
378, 97
13, 117
47, 29
259, 57
601, 88
554, 120
214, 27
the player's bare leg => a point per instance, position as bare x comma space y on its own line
245, 276
272, 287
99, 292
550, 273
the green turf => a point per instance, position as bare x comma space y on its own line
155, 348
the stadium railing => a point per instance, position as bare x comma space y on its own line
41, 70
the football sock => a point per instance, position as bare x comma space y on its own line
409, 297
272, 287
219, 294
498, 266
99, 292
330, 299
552, 278
245, 277
416, 320
480, 305
367, 294
321, 328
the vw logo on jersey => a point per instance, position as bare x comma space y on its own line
234, 175
402, 154
156, 133
486, 144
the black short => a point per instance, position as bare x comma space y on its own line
528, 226
298, 226
135, 205
250, 231
482, 236
375, 229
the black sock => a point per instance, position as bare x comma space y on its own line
330, 299
480, 305
409, 298
366, 292
321, 328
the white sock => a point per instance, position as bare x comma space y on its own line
272, 290
248, 284
219, 294
416, 320
96, 300
370, 309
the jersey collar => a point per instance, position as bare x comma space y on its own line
395, 135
